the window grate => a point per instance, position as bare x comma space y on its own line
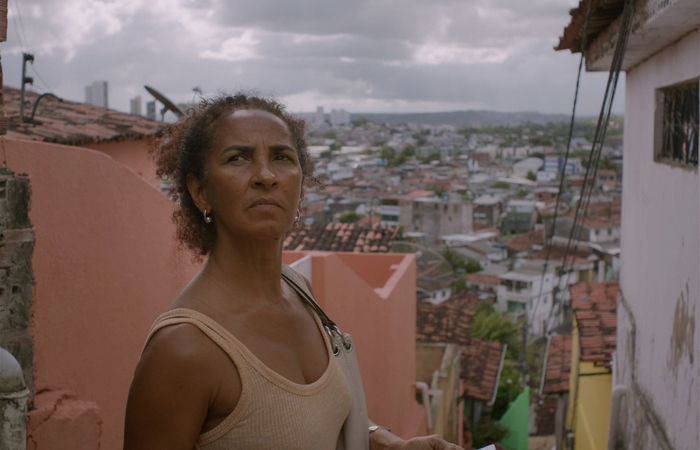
680, 124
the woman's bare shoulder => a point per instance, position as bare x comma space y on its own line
174, 387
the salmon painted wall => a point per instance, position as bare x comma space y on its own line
105, 266
372, 297
134, 155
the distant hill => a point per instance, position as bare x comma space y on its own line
465, 118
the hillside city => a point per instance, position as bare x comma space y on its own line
477, 205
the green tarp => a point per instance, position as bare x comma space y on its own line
516, 419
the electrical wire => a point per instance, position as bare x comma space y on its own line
566, 160
46, 85
599, 137
22, 43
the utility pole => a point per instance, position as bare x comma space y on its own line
25, 79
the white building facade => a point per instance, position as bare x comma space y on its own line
656, 369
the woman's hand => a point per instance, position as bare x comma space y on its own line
434, 442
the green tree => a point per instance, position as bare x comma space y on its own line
359, 121
488, 324
330, 134
520, 194
349, 217
531, 176
337, 145
409, 151
431, 157
500, 185
387, 153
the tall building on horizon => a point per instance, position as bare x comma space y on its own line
96, 94
151, 110
136, 105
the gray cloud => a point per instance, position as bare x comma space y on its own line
386, 54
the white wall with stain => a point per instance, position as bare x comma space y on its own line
660, 271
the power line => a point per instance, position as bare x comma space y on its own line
563, 173
46, 85
19, 16
601, 128
19, 38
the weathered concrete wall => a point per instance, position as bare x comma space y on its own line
105, 266
657, 347
16, 245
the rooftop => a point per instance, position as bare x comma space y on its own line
341, 237
558, 365
524, 242
71, 123
481, 361
449, 321
595, 309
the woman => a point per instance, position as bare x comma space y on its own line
239, 360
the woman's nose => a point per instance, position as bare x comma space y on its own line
264, 174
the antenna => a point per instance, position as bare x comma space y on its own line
25, 79
196, 91
167, 104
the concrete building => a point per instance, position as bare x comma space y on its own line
136, 105
339, 117
656, 380
97, 94
435, 217
519, 216
523, 290
487, 212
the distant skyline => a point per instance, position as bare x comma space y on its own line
366, 56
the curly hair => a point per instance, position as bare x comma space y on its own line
183, 147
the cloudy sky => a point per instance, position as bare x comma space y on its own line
361, 55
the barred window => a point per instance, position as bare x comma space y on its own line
678, 108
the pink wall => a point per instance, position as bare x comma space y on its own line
373, 297
105, 265
133, 154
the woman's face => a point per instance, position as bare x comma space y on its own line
253, 176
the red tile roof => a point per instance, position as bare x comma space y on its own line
595, 309
556, 374
480, 363
71, 123
449, 321
525, 241
341, 237
484, 279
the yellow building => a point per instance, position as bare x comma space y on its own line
590, 384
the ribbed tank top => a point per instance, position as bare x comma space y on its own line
272, 412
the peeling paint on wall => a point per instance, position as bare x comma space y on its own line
683, 334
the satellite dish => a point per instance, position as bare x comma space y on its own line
433, 272
167, 104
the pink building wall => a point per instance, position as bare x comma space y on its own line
106, 265
133, 154
373, 297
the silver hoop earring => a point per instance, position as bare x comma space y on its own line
297, 217
207, 218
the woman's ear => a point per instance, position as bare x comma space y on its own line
197, 192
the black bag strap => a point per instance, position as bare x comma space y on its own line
293, 277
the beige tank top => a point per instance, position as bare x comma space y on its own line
272, 412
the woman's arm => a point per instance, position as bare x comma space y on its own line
172, 390
385, 440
